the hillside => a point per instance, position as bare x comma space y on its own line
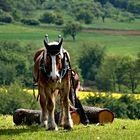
85, 12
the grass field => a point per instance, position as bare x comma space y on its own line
111, 24
114, 44
118, 130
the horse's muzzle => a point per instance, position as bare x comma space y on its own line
55, 79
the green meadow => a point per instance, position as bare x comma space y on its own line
118, 130
115, 44
111, 24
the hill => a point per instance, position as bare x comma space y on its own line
85, 12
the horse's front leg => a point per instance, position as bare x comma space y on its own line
43, 104
66, 119
51, 112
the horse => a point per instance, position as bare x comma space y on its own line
53, 74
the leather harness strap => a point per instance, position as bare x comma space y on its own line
65, 67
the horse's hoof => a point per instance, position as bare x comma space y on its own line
67, 127
53, 129
43, 124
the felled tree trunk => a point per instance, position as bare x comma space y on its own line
29, 117
99, 115
94, 114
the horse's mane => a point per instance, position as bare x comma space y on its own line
39, 51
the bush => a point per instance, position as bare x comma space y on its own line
14, 98
125, 107
84, 15
16, 62
92, 59
48, 17
59, 20
6, 18
30, 22
71, 28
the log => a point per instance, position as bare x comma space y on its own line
94, 114
29, 117
99, 115
26, 116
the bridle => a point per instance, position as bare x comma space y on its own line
52, 52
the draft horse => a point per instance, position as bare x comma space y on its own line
52, 72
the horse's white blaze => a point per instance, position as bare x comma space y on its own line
54, 72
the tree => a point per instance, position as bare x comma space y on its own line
7, 73
106, 78
97, 10
131, 73
103, 2
117, 72
59, 19
108, 11
15, 63
5, 5
48, 17
71, 28
85, 16
27, 6
90, 61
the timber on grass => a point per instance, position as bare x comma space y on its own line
99, 115
94, 114
29, 117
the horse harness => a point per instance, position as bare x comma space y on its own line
43, 69
65, 67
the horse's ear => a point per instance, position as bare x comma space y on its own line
46, 44
60, 43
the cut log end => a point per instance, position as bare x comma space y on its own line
75, 117
105, 116
99, 115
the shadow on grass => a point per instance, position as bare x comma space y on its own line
17, 131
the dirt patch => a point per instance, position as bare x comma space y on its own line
114, 31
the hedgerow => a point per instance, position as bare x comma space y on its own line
14, 97
124, 107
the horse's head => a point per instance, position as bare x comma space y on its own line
53, 57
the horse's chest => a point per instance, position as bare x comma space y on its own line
52, 86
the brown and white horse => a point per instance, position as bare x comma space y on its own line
52, 72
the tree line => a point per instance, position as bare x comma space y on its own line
96, 69
109, 73
16, 63
55, 11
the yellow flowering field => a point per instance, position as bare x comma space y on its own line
84, 94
